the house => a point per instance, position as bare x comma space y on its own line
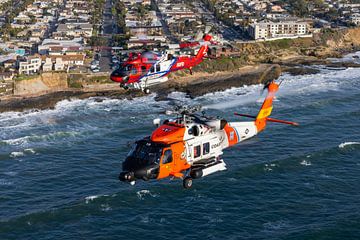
47, 65
73, 30
29, 65
61, 61
59, 64
6, 76
9, 63
60, 47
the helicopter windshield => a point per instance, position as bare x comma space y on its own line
150, 57
124, 70
145, 154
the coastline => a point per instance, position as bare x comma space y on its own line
193, 86
264, 61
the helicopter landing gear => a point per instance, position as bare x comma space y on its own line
123, 86
146, 90
187, 182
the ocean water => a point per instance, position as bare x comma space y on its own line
59, 169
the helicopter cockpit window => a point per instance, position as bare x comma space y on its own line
143, 70
133, 71
123, 70
197, 151
146, 154
167, 157
152, 69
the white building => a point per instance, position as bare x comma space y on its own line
268, 30
30, 65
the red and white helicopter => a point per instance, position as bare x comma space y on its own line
191, 145
151, 68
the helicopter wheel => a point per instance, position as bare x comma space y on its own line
187, 182
146, 90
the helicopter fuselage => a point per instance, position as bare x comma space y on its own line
192, 147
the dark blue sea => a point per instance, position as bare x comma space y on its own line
59, 169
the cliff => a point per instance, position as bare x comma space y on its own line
327, 43
195, 86
41, 83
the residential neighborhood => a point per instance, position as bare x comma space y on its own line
94, 36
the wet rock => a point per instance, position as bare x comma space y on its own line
295, 71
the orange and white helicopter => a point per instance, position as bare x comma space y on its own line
191, 145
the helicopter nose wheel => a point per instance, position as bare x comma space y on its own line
187, 182
146, 90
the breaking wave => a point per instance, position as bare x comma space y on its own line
38, 138
345, 144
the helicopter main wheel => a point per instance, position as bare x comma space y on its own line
146, 90
187, 182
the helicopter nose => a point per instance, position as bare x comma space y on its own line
116, 79
127, 176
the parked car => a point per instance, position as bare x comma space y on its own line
95, 70
93, 66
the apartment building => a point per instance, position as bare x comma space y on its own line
30, 65
282, 29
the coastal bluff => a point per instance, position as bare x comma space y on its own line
193, 86
43, 83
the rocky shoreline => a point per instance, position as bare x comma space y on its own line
193, 86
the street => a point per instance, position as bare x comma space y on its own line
107, 31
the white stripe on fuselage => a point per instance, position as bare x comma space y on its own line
165, 67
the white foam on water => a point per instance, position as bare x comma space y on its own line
275, 226
105, 207
16, 154
305, 163
89, 199
343, 145
4, 182
29, 150
143, 193
11, 173
39, 138
327, 80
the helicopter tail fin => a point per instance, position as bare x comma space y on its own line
267, 106
263, 116
202, 51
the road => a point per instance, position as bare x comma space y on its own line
228, 32
107, 31
165, 27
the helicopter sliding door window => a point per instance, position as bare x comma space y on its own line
152, 69
143, 70
167, 157
206, 148
158, 68
197, 151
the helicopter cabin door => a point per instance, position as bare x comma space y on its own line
199, 150
166, 163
